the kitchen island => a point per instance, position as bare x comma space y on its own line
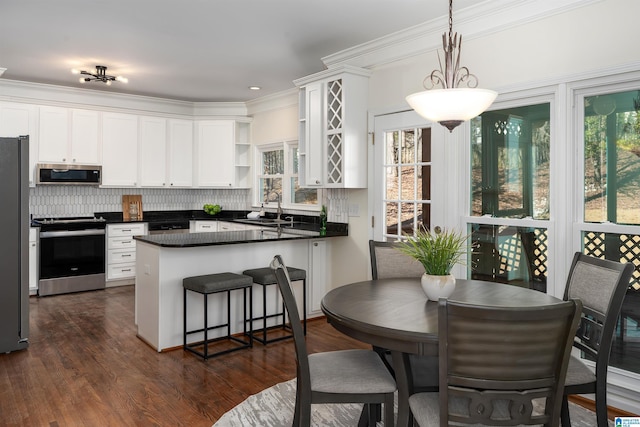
162, 261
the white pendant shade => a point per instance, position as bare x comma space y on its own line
451, 105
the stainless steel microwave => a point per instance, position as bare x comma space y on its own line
61, 174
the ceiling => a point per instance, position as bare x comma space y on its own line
195, 50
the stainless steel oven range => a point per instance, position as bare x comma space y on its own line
72, 255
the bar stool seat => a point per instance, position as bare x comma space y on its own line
265, 276
211, 284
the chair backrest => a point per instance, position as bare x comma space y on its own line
496, 362
302, 357
388, 262
601, 285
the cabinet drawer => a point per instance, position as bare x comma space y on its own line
116, 256
206, 226
121, 271
121, 243
230, 226
117, 230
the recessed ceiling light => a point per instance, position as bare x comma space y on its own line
255, 87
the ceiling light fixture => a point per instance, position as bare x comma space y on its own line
100, 76
452, 104
255, 87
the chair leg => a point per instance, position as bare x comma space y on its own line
564, 413
373, 414
601, 407
388, 411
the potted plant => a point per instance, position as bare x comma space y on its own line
438, 252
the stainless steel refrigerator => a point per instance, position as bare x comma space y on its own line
14, 244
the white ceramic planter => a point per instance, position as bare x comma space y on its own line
436, 287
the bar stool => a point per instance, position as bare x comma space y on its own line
211, 284
265, 277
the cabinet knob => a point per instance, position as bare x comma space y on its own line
317, 181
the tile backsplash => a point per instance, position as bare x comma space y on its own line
73, 200
61, 200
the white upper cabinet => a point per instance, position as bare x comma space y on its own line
333, 128
166, 152
68, 136
180, 158
18, 120
152, 145
119, 150
215, 153
85, 147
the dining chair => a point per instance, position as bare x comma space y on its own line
388, 262
345, 376
499, 365
601, 285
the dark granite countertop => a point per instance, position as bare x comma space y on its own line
309, 223
189, 240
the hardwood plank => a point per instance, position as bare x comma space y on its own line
85, 366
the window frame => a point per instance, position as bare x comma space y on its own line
288, 147
517, 99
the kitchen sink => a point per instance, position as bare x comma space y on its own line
267, 221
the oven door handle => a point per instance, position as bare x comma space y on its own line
71, 233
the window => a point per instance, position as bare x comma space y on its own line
510, 157
277, 178
610, 203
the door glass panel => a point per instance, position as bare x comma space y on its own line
407, 181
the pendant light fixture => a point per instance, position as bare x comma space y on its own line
452, 104
100, 76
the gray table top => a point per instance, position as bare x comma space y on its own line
395, 313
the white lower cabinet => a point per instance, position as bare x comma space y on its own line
231, 226
317, 275
203, 226
121, 250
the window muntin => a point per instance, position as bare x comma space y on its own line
510, 153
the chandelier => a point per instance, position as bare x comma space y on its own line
452, 104
100, 75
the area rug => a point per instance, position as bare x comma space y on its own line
273, 407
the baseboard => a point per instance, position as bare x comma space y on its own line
591, 405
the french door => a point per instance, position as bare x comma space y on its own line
402, 170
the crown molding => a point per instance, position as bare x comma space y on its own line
287, 98
47, 94
487, 17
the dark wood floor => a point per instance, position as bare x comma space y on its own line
85, 367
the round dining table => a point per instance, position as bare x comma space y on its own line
395, 314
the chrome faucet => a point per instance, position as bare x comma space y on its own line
289, 218
279, 211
